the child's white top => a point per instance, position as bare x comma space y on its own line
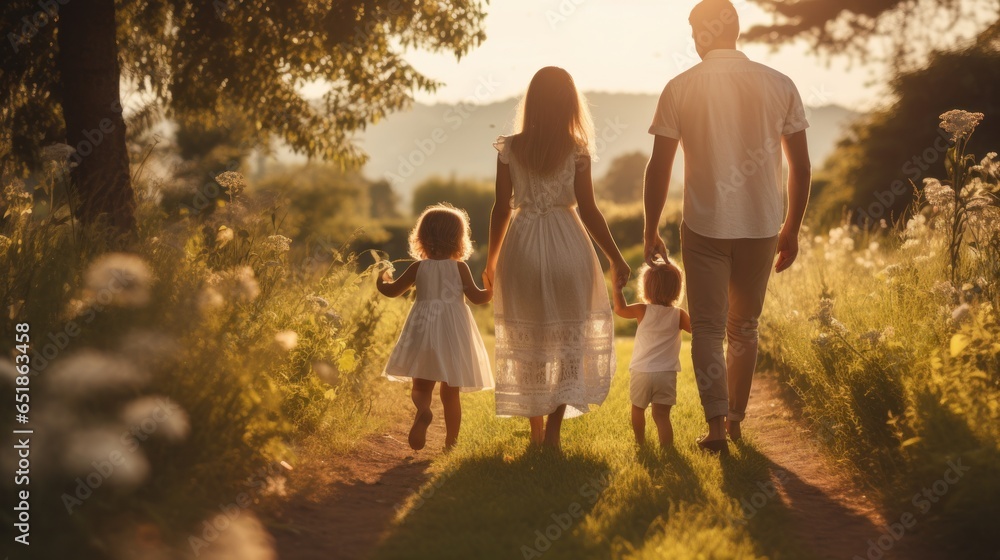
658, 340
440, 340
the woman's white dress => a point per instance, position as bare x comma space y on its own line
554, 327
440, 340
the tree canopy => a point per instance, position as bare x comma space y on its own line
622, 183
308, 72
913, 28
871, 171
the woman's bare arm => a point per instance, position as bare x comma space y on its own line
499, 220
595, 223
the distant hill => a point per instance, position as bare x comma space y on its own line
443, 139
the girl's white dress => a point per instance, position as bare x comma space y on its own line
554, 327
440, 340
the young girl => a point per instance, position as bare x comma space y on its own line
656, 356
554, 328
440, 340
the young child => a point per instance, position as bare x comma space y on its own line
656, 355
440, 341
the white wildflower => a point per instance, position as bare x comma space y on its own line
243, 283
960, 313
89, 372
244, 539
327, 372
224, 236
985, 219
287, 340
232, 183
275, 486
157, 415
824, 341
825, 313
58, 153
938, 195
14, 192
978, 202
960, 124
209, 299
119, 279
92, 446
278, 244
916, 227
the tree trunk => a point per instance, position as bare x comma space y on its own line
91, 102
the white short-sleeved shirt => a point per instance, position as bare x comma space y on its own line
730, 114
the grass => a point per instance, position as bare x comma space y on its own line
491, 498
898, 372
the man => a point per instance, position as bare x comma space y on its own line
734, 118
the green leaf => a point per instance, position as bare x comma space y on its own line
348, 361
959, 342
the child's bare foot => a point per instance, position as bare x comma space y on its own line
735, 432
418, 433
450, 444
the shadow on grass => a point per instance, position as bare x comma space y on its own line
672, 482
492, 506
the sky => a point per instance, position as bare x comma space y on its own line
632, 46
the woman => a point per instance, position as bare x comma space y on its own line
554, 328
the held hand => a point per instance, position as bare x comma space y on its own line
488, 275
387, 276
788, 250
620, 273
654, 247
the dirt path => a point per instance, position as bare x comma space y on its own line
833, 517
344, 506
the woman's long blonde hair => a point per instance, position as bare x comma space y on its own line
553, 122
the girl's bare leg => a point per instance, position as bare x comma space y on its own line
661, 417
537, 424
553, 426
452, 414
421, 395
639, 424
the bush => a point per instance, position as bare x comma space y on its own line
174, 372
891, 341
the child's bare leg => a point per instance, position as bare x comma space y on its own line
537, 424
553, 426
639, 424
661, 417
452, 414
421, 394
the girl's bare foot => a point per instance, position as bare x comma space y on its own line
418, 433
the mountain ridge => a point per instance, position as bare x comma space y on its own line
454, 139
